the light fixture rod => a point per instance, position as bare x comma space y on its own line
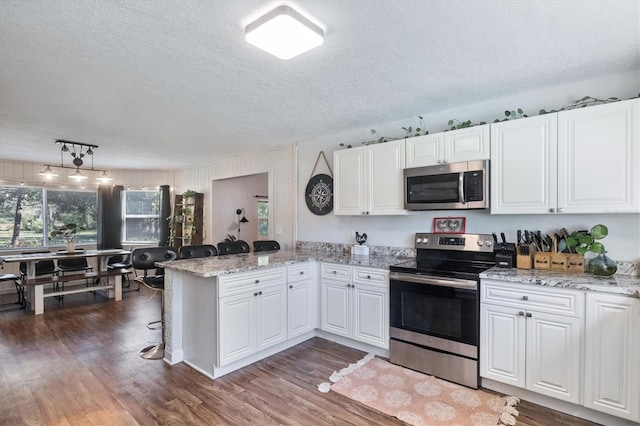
64, 142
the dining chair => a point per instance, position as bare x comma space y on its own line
122, 262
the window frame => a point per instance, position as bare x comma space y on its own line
46, 220
126, 216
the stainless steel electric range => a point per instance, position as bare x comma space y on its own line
434, 312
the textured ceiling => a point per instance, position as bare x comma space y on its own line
172, 83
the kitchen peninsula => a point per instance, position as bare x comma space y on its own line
223, 313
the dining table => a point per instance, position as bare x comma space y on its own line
109, 281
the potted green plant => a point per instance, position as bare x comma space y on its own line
68, 232
587, 241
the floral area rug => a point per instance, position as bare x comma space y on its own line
419, 399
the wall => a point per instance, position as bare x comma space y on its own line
623, 242
279, 164
228, 195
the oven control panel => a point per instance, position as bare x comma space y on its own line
458, 242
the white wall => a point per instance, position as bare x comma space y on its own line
278, 163
623, 242
228, 195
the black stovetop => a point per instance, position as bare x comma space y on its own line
462, 265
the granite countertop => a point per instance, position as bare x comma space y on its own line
616, 284
233, 263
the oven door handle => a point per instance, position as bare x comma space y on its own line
431, 280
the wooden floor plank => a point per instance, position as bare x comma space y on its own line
78, 364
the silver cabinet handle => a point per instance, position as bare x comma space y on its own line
552, 210
301, 272
255, 294
257, 281
335, 272
291, 286
560, 210
368, 277
528, 315
521, 313
525, 297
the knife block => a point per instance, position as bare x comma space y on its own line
505, 255
524, 261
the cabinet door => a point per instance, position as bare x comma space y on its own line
301, 301
349, 185
271, 318
424, 150
598, 159
502, 344
467, 144
371, 315
612, 345
236, 329
386, 179
523, 165
554, 345
335, 303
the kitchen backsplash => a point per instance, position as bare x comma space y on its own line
624, 267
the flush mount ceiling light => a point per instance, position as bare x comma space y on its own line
284, 33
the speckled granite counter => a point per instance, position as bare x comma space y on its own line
229, 264
616, 284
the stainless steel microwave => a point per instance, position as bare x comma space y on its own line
450, 186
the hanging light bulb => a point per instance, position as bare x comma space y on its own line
104, 177
77, 175
47, 172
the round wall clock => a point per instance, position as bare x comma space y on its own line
319, 194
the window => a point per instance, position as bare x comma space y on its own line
263, 219
29, 214
141, 213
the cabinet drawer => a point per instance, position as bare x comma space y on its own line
370, 276
336, 272
237, 283
551, 300
300, 272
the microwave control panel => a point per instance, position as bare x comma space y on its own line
474, 185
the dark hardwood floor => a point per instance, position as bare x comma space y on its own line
78, 364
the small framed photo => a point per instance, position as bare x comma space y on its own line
449, 225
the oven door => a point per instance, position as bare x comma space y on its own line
436, 312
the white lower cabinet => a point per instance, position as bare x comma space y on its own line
355, 303
612, 355
531, 338
301, 299
254, 318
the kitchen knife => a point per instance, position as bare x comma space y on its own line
504, 240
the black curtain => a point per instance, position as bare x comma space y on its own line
165, 213
110, 216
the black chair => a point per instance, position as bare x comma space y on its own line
145, 259
22, 302
43, 267
191, 252
122, 262
74, 264
265, 245
233, 247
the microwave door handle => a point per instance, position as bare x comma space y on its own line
461, 188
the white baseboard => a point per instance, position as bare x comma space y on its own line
556, 404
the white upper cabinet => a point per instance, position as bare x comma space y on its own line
579, 161
598, 159
523, 165
369, 180
448, 147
